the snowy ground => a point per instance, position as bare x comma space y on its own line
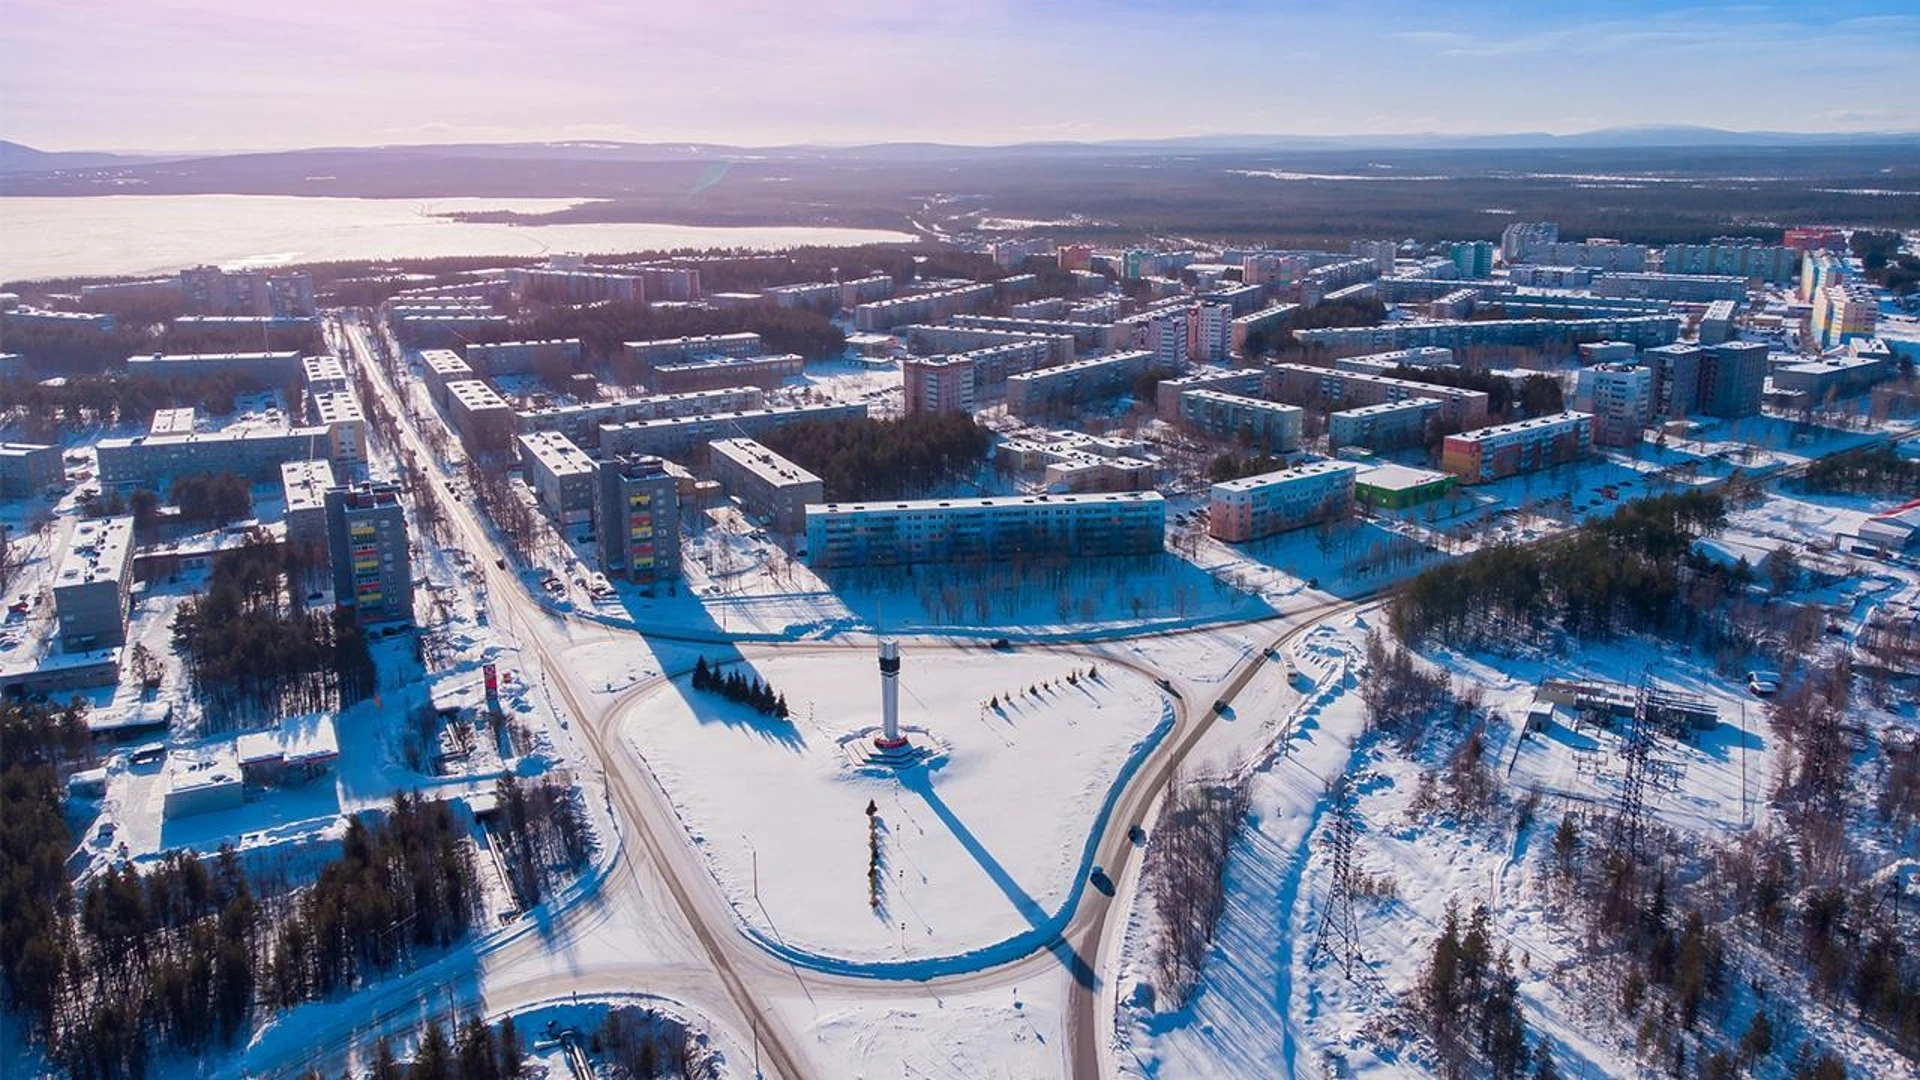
979, 847
984, 1035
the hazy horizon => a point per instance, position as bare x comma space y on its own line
208, 76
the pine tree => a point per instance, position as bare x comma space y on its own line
702, 678
1757, 1043
432, 1061
511, 1057
780, 707
384, 1067
1544, 1067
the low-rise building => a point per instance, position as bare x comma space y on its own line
561, 475
1821, 378
441, 367
1254, 507
27, 469
267, 369
1503, 450
91, 583
1399, 487
1034, 393
1267, 427
203, 780
767, 484
480, 417
1004, 529
1384, 363
1382, 428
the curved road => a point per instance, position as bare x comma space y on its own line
656, 854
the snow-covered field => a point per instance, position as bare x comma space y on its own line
980, 846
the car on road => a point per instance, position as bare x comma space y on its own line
1099, 880
1763, 683
1135, 834
500, 564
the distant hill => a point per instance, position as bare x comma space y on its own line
16, 158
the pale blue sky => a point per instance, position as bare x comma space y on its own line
216, 74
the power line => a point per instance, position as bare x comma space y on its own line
1339, 933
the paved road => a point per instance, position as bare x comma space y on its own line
658, 870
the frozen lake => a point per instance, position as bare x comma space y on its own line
158, 234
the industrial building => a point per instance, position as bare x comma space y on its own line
27, 469
1493, 453
372, 560
480, 416
1255, 507
638, 519
1385, 427
1267, 427
985, 529
561, 475
91, 583
767, 484
674, 435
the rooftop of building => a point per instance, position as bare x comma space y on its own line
1240, 400
476, 394
1403, 405
443, 360
721, 417
367, 495
692, 341
694, 362
1283, 476
770, 467
1389, 476
174, 421
20, 449
234, 357
1116, 498
337, 406
1536, 423
306, 483
557, 453
1082, 365
98, 551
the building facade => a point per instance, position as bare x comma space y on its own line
1266, 427
767, 484
372, 560
1383, 428
91, 583
638, 520
1255, 507
560, 474
1503, 450
990, 529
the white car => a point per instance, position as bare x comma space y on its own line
1763, 683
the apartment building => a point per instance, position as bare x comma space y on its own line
250, 453
1520, 240
1255, 507
881, 316
938, 383
714, 373
1266, 427
1620, 398
767, 484
268, 369
1087, 336
1690, 288
1033, 393
1265, 325
27, 469
324, 375
339, 412
1383, 363
1599, 254
372, 561
208, 290
985, 529
1716, 323
1774, 264
1301, 384
561, 475
680, 435
440, 367
1382, 428
1675, 371
1733, 379
91, 582
523, 357
1247, 382
1842, 313
1644, 331
573, 286
638, 518
480, 417
1503, 450
941, 340
303, 486
582, 422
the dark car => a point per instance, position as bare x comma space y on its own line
1136, 834
1099, 880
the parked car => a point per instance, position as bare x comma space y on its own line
1763, 683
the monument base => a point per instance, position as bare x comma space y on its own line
871, 749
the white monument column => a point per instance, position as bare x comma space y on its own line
890, 736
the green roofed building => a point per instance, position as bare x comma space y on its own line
1398, 487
